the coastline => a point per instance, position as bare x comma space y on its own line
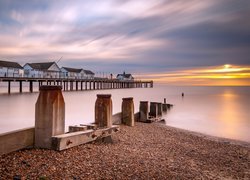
140, 152
213, 138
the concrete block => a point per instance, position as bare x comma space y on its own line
49, 115
143, 110
103, 110
128, 111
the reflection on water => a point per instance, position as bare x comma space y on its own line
218, 111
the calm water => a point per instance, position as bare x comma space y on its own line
217, 111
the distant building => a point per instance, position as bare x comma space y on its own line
73, 73
10, 69
125, 77
89, 74
42, 70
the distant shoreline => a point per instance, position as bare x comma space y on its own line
213, 138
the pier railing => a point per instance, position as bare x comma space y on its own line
76, 84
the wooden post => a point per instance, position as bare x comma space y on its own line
143, 111
128, 111
153, 109
103, 110
49, 115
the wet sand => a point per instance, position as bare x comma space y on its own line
146, 151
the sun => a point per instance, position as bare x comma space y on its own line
226, 66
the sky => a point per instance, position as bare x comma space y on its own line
178, 42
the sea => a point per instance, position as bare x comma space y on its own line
216, 111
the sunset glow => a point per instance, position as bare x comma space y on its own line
225, 75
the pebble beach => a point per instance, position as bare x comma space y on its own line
145, 151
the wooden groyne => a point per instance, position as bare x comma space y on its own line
49, 130
76, 84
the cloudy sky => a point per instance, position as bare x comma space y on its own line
197, 42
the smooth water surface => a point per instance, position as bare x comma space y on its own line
217, 111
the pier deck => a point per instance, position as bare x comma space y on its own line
76, 84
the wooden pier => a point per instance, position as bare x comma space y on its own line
76, 84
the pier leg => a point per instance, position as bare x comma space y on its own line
71, 85
143, 111
31, 86
81, 86
76, 85
128, 111
9, 86
20, 87
49, 115
103, 110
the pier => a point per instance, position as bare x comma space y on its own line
76, 84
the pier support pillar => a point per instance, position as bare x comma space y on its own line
20, 86
103, 110
9, 83
49, 115
153, 109
76, 85
31, 86
143, 111
128, 111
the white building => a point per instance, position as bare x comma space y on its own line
125, 77
72, 73
89, 74
42, 70
10, 69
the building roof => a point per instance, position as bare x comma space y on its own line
10, 64
72, 69
88, 72
41, 66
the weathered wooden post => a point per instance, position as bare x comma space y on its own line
103, 110
164, 106
153, 109
128, 111
49, 115
159, 109
143, 111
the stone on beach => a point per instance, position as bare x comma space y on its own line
146, 151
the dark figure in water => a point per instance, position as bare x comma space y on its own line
182, 94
